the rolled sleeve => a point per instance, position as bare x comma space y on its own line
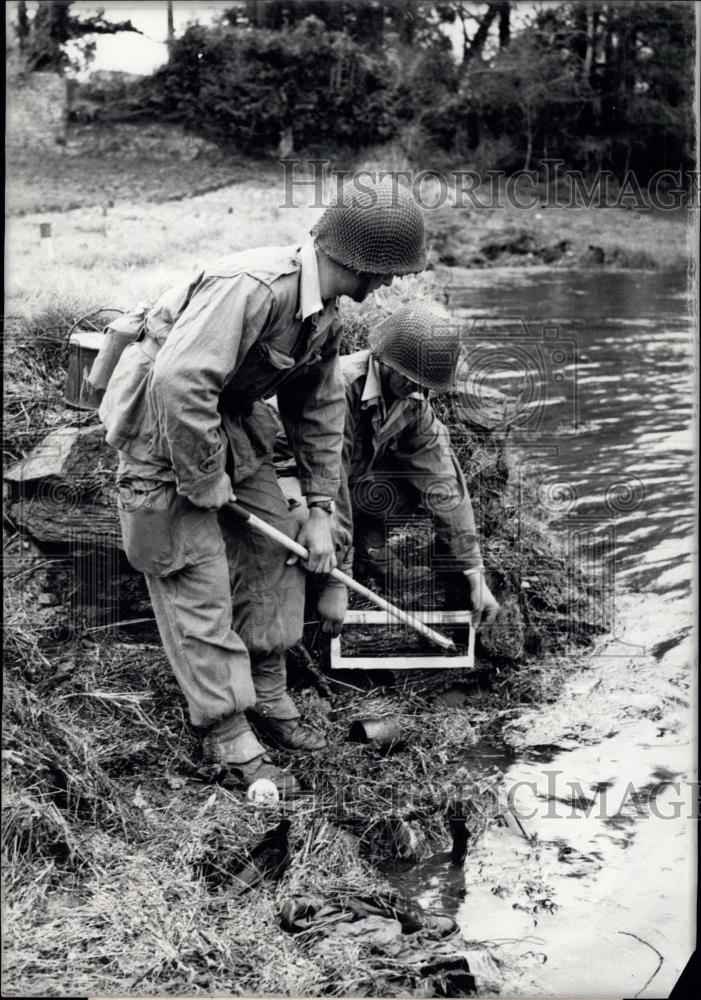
192, 368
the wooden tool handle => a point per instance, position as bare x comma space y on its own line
258, 524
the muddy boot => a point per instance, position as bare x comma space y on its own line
233, 748
286, 733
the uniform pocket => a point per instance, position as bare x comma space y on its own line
145, 517
163, 532
262, 370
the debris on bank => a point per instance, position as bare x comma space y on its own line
119, 835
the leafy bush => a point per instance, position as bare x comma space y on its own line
248, 85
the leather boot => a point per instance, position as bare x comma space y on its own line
244, 775
287, 734
232, 746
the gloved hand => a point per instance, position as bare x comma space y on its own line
332, 606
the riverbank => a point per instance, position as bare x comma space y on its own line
128, 877
151, 194
605, 782
128, 867
115, 834
125, 856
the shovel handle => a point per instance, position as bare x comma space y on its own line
258, 524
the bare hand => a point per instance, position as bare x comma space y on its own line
315, 535
217, 497
332, 606
483, 603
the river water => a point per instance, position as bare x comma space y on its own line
597, 900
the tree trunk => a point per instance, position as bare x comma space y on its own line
171, 28
607, 89
591, 34
480, 36
504, 24
628, 54
49, 32
465, 36
22, 24
529, 144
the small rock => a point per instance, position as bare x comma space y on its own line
174, 781
453, 698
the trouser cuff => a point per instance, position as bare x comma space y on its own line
232, 741
281, 707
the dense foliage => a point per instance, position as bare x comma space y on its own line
600, 85
249, 86
497, 85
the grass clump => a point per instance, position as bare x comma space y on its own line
113, 827
120, 852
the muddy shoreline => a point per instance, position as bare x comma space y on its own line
603, 780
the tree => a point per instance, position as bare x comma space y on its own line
525, 88
504, 24
22, 24
474, 43
251, 85
43, 39
171, 27
636, 80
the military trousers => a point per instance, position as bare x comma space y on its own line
226, 604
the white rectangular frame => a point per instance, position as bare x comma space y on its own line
423, 662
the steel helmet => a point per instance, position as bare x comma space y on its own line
420, 343
376, 229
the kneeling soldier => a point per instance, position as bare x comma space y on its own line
397, 454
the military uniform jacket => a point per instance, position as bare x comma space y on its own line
405, 444
238, 332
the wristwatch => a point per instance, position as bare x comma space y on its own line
326, 505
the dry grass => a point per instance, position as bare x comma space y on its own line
110, 820
112, 829
125, 253
140, 919
132, 253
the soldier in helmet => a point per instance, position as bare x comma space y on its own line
184, 408
397, 456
